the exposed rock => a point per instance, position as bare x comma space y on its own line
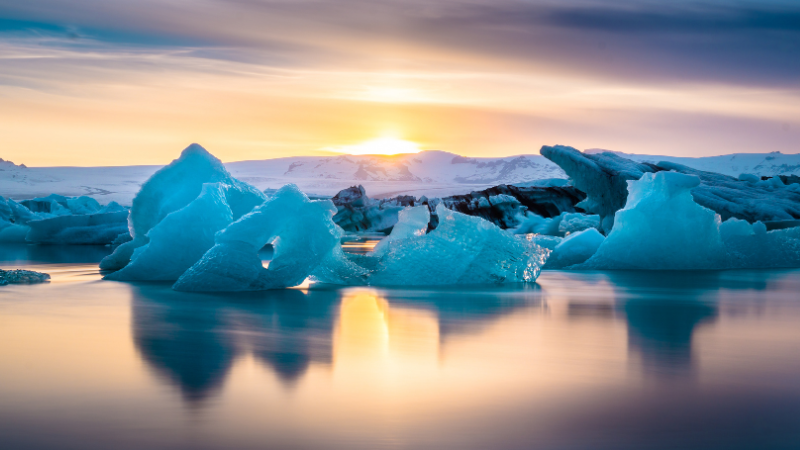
502, 205
786, 179
357, 212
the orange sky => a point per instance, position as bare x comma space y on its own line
75, 92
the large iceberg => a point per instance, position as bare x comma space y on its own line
178, 240
743, 199
603, 177
301, 231
461, 250
663, 228
181, 238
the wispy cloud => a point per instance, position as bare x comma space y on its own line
505, 75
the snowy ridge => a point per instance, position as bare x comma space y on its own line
761, 164
430, 173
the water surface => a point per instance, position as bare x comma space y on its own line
615, 360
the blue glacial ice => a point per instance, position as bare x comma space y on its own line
56, 219
461, 250
301, 231
575, 249
169, 191
662, 228
560, 225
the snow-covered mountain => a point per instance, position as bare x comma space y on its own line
431, 173
761, 164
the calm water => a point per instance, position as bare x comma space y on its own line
620, 360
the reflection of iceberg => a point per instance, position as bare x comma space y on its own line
187, 344
663, 314
193, 342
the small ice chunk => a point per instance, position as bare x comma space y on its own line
412, 222
19, 276
574, 222
575, 249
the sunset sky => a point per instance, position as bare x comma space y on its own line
112, 82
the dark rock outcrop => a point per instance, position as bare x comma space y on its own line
502, 205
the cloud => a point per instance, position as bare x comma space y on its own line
467, 76
738, 42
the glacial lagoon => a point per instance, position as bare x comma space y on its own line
578, 360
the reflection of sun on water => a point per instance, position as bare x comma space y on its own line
372, 333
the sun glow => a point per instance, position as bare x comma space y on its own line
379, 146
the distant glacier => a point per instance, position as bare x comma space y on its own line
430, 173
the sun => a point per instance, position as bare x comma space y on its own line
380, 146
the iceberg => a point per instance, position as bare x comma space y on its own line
461, 250
169, 190
101, 228
602, 176
504, 205
661, 227
508, 206
561, 225
180, 239
765, 201
575, 222
56, 219
301, 231
575, 249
